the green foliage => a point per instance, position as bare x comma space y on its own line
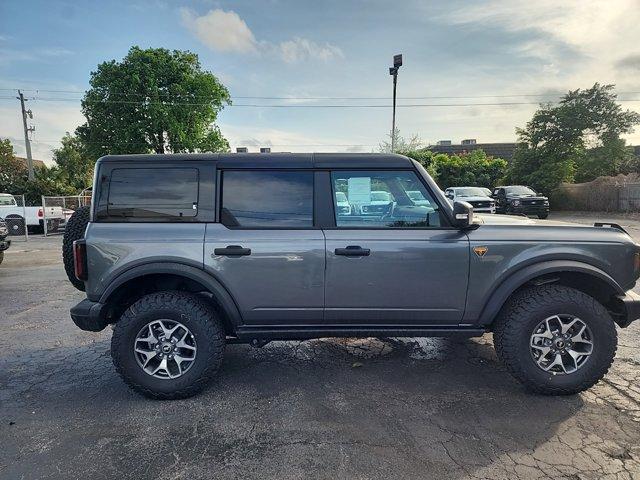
471, 169
154, 100
12, 171
14, 178
74, 165
578, 139
424, 157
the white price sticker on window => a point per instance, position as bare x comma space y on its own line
359, 190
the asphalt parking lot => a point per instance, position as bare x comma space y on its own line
353, 409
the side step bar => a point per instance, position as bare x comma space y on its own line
261, 334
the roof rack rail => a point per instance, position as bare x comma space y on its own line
610, 225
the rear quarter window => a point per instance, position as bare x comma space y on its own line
163, 193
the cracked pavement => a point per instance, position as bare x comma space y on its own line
328, 408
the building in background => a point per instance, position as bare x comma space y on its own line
501, 150
36, 163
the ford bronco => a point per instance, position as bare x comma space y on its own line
183, 254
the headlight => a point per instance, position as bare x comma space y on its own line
515, 203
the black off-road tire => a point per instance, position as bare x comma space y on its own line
542, 216
1, 257
74, 230
514, 326
193, 312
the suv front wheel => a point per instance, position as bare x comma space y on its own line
555, 340
168, 345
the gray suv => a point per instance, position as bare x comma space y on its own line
183, 254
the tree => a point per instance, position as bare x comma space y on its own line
154, 100
577, 139
74, 165
401, 144
14, 178
469, 169
13, 172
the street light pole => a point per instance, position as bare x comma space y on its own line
397, 63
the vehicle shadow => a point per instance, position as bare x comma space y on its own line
357, 408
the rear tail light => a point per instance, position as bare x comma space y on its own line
80, 260
40, 213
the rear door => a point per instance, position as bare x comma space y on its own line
266, 249
402, 267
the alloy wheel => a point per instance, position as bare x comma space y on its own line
561, 344
165, 349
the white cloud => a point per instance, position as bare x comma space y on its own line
599, 33
227, 32
51, 120
299, 49
221, 31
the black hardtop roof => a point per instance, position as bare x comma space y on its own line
273, 160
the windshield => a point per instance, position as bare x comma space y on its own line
380, 196
7, 200
520, 190
341, 197
470, 192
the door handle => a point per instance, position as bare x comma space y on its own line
353, 251
232, 251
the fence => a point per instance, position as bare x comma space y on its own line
16, 219
604, 194
58, 210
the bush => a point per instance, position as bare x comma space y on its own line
471, 169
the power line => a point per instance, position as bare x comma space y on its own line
249, 97
259, 105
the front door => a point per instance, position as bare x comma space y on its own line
265, 250
396, 264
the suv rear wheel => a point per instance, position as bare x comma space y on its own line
168, 345
555, 340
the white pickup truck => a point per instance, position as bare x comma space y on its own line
32, 217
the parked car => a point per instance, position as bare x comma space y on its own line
4, 243
475, 196
258, 252
380, 202
342, 204
519, 199
35, 216
417, 198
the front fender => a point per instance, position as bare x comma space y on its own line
519, 278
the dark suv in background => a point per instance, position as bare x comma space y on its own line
520, 200
186, 253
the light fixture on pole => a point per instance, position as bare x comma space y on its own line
397, 63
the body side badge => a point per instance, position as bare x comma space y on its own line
480, 251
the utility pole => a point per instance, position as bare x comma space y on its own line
27, 142
397, 63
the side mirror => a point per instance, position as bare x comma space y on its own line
462, 215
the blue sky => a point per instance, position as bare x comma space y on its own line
296, 49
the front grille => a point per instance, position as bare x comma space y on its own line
532, 202
486, 204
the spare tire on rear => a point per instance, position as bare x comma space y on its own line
74, 230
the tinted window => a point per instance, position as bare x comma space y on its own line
267, 199
520, 190
383, 199
153, 192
